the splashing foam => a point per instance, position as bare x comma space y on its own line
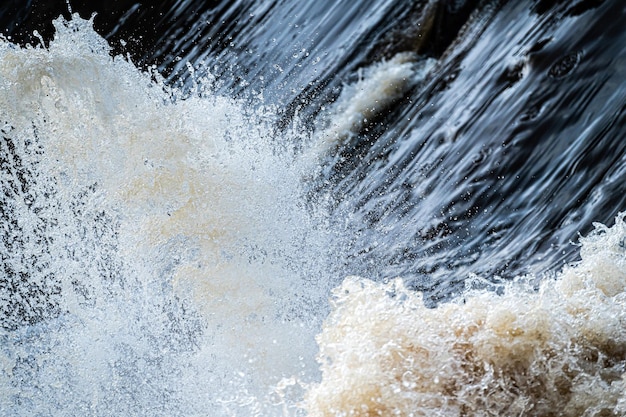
171, 235
560, 350
173, 231
379, 87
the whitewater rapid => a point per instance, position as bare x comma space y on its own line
167, 239
163, 255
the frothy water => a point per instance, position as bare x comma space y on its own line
163, 255
359, 104
176, 267
559, 349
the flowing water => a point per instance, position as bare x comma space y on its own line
290, 208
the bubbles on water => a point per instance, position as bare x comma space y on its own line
525, 352
565, 65
160, 259
161, 254
377, 88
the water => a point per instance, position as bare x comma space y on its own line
212, 223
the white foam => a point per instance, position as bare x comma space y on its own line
192, 279
207, 240
560, 350
379, 86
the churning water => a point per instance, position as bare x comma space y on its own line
389, 245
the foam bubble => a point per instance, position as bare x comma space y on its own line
175, 247
163, 261
560, 350
379, 86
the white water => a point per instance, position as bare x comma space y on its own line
188, 268
189, 276
359, 104
556, 350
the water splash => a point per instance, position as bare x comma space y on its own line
161, 257
560, 348
379, 86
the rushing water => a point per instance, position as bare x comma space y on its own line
313, 208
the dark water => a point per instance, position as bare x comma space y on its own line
508, 150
